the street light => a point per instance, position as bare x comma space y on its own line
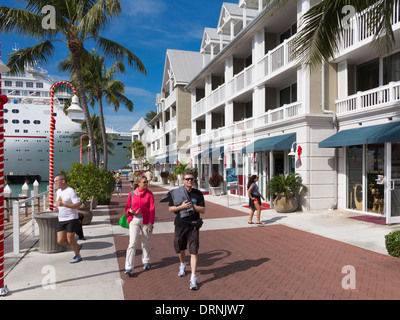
292, 150
3, 100
76, 111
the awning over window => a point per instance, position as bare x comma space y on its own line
212, 153
389, 132
273, 143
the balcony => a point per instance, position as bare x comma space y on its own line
170, 99
374, 98
271, 64
248, 126
170, 125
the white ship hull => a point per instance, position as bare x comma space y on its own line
26, 136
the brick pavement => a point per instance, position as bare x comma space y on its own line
261, 263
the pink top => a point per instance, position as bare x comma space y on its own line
144, 199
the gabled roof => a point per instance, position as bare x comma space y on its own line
183, 65
138, 126
210, 35
232, 10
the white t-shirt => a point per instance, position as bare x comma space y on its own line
68, 196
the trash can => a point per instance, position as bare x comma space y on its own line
47, 222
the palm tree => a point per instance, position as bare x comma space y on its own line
100, 83
324, 24
76, 22
99, 148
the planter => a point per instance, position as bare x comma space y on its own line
47, 222
87, 214
172, 183
283, 205
164, 180
216, 191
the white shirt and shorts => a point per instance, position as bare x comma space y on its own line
68, 219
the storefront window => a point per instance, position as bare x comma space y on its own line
375, 165
354, 177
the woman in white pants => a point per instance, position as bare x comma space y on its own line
140, 210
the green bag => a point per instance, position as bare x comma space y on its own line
123, 222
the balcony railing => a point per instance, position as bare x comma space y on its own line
369, 99
358, 28
274, 60
247, 126
170, 125
170, 99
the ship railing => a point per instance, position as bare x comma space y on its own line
17, 208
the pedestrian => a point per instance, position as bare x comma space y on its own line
118, 185
131, 178
67, 206
140, 209
254, 199
187, 203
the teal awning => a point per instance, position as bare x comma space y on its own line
389, 132
160, 160
172, 158
212, 153
281, 142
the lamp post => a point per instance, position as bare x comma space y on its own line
81, 150
3, 100
74, 108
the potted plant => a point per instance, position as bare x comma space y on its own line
215, 184
172, 178
287, 189
164, 176
179, 170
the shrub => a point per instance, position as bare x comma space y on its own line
392, 242
88, 181
164, 174
215, 180
172, 177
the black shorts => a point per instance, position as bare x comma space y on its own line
69, 225
185, 234
251, 202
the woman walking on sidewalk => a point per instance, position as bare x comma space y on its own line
254, 198
140, 210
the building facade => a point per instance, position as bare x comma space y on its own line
252, 102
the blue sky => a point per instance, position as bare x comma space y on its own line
148, 28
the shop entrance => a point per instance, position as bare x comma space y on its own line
393, 183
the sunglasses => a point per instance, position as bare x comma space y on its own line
189, 179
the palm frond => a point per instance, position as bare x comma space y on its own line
40, 53
118, 52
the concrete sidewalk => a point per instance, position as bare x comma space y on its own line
36, 276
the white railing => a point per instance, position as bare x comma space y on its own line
170, 125
16, 213
359, 27
247, 126
369, 99
170, 99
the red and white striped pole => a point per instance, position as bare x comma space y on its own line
3, 101
51, 148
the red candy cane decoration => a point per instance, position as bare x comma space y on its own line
51, 147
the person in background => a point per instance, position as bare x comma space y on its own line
131, 178
67, 206
140, 209
118, 185
254, 199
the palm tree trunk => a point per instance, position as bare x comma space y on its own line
103, 133
83, 101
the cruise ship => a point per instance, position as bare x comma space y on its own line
26, 129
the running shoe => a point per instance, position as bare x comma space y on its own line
76, 259
182, 271
193, 283
146, 266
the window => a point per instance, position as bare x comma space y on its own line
368, 75
29, 84
19, 84
391, 68
15, 111
288, 95
36, 121
8, 83
39, 85
15, 121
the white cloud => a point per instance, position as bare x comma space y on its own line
140, 92
143, 7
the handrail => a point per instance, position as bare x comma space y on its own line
16, 213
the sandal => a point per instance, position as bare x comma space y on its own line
250, 222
